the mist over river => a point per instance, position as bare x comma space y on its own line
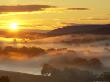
22, 63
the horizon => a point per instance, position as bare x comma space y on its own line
54, 38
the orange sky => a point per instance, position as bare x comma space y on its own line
58, 13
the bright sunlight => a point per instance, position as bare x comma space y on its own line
13, 26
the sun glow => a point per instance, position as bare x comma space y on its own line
13, 26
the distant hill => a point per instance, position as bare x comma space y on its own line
82, 29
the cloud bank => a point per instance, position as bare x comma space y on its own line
24, 8
78, 9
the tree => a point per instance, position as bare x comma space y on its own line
49, 70
104, 77
45, 70
95, 63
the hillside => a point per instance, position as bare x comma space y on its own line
82, 29
22, 77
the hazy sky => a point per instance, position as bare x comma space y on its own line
64, 13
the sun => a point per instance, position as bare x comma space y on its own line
13, 26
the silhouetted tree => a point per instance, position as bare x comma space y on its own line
49, 70
9, 49
104, 77
68, 74
80, 61
45, 70
95, 63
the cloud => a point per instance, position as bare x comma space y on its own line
24, 8
92, 18
78, 9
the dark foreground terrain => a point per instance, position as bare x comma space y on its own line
18, 77
22, 77
51, 74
